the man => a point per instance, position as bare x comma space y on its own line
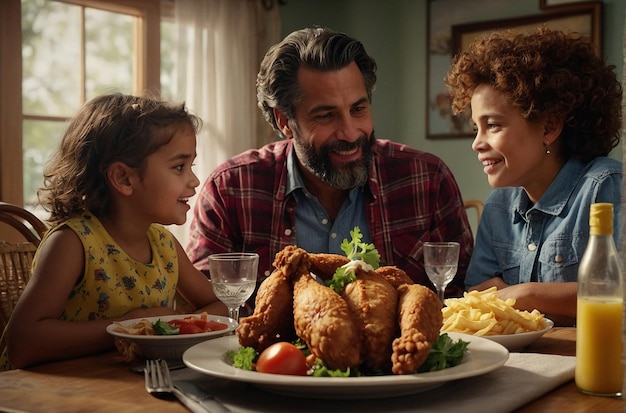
329, 173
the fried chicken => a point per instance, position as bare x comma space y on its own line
396, 276
325, 265
419, 313
372, 302
347, 330
272, 320
323, 321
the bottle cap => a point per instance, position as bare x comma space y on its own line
601, 219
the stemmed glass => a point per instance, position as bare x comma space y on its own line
233, 277
441, 260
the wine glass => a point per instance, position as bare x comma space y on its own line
441, 260
233, 277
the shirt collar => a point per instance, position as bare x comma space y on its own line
294, 179
560, 190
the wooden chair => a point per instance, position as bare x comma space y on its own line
474, 220
474, 204
25, 222
16, 258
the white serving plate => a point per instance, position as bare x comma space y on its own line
170, 347
521, 340
482, 357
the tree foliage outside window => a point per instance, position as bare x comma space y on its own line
70, 54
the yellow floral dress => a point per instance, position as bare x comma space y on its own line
114, 283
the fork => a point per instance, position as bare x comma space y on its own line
159, 383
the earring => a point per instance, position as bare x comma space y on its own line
546, 145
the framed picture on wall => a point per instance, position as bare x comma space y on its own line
585, 20
450, 32
555, 3
442, 15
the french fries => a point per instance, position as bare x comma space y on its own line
483, 313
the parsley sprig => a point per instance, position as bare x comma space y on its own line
355, 250
444, 353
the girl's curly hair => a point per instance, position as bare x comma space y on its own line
546, 73
107, 129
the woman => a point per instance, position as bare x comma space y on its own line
547, 113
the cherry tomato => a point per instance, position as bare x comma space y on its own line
282, 358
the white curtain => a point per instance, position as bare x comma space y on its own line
219, 46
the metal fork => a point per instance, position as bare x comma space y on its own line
159, 383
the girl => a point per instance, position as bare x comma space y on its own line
547, 112
123, 165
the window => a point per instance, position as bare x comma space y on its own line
70, 51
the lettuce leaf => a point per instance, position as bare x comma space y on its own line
243, 358
162, 328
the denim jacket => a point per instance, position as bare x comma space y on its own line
522, 242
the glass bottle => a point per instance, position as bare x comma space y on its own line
599, 369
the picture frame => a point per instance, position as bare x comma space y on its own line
584, 18
546, 4
451, 25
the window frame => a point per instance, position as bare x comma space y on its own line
148, 77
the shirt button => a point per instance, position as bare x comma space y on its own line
333, 235
267, 273
288, 231
324, 221
558, 259
532, 246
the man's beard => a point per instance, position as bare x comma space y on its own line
352, 175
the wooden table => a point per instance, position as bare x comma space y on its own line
100, 383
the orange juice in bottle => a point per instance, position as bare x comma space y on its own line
599, 343
599, 326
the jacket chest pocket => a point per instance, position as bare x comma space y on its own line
559, 259
509, 259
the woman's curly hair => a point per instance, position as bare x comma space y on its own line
545, 74
107, 129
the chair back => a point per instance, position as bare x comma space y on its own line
477, 206
16, 258
16, 261
25, 222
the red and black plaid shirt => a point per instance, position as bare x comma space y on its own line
412, 198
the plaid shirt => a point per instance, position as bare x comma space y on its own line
412, 197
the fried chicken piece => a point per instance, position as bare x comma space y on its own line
373, 302
292, 260
419, 312
323, 321
325, 265
272, 320
394, 275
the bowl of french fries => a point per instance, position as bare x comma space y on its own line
483, 313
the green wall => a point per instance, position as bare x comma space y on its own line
395, 33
